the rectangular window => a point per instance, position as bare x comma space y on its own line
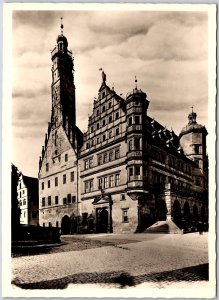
23, 192
56, 199
104, 137
117, 154
110, 104
100, 160
24, 214
111, 181
110, 119
117, 131
92, 129
98, 125
111, 156
125, 215
117, 115
73, 199
72, 176
91, 162
49, 200
48, 184
66, 157
130, 145
69, 198
130, 121
100, 183
104, 122
57, 223
137, 143
98, 140
86, 164
56, 181
24, 202
43, 224
64, 179
43, 201
47, 167
42, 187
117, 180
130, 172
50, 224
88, 186
122, 197
137, 120
110, 134
196, 149
137, 171
64, 200
105, 182
105, 158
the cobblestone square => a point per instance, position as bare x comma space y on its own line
113, 260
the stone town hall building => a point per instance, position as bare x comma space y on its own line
127, 171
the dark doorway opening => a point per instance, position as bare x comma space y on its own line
177, 217
102, 220
161, 210
66, 225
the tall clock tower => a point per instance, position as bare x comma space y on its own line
63, 88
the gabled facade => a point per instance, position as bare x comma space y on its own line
58, 171
127, 171
28, 199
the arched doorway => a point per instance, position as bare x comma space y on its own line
161, 210
102, 220
186, 215
195, 213
66, 225
177, 213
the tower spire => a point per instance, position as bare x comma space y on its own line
136, 81
61, 26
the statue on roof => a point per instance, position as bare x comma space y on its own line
103, 76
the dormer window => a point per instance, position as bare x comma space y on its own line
103, 94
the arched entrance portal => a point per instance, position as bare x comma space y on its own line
66, 224
177, 213
102, 220
161, 210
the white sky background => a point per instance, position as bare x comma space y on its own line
167, 51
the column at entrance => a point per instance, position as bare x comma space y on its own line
167, 194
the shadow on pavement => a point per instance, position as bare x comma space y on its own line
194, 273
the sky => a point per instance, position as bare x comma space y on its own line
166, 51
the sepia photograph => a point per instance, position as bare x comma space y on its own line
109, 134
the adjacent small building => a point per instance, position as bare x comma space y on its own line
28, 199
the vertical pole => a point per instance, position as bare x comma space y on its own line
77, 190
